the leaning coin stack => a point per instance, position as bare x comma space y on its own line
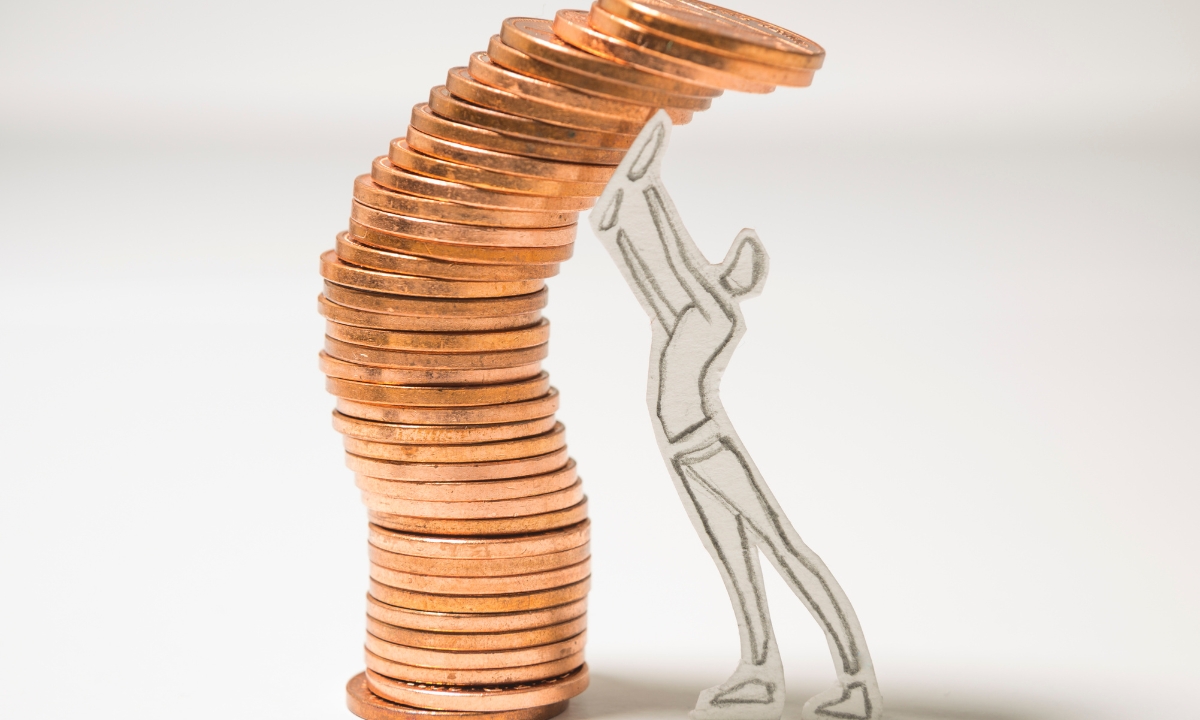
478, 534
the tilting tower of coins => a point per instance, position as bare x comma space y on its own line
478, 522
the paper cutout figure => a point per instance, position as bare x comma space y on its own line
696, 322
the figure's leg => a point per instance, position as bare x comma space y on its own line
755, 691
726, 472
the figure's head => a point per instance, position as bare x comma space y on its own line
743, 272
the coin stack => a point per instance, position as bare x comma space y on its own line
478, 534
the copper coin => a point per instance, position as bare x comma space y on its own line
430, 123
506, 162
369, 706
477, 254
520, 602
495, 526
419, 545
518, 62
498, 676
431, 308
446, 697
572, 26
481, 415
404, 157
463, 84
475, 623
454, 567
336, 271
363, 355
723, 30
669, 46
477, 642
454, 472
482, 452
440, 342
464, 434
535, 37
349, 250
445, 104
395, 178
405, 376
457, 233
469, 492
475, 660
371, 194
635, 115
434, 395
390, 321
516, 507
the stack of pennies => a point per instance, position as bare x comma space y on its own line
478, 538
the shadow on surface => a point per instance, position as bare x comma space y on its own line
611, 697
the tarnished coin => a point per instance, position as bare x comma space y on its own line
491, 526
459, 234
520, 602
382, 357
334, 270
384, 173
455, 472
474, 622
471, 492
406, 376
443, 342
490, 676
435, 308
481, 698
371, 194
404, 157
456, 567
516, 507
434, 396
369, 706
507, 162
350, 250
476, 254
391, 321
420, 545
723, 30
481, 415
475, 660
572, 26
427, 121
477, 642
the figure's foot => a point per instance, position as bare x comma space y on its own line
853, 700
753, 692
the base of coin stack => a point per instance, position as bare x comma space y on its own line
478, 538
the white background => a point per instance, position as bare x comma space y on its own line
971, 380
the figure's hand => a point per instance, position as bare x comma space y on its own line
744, 270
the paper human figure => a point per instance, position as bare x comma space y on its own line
696, 323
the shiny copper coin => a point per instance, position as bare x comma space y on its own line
406, 376
481, 452
419, 545
494, 526
481, 415
463, 434
722, 30
395, 178
484, 698
475, 254
506, 162
435, 396
635, 115
430, 123
521, 602
462, 342
371, 194
669, 46
455, 567
363, 355
391, 321
518, 62
336, 271
457, 233
454, 472
474, 623
463, 83
475, 660
498, 676
477, 642
516, 507
535, 37
349, 250
572, 26
470, 492
447, 105
404, 157
369, 706
431, 308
